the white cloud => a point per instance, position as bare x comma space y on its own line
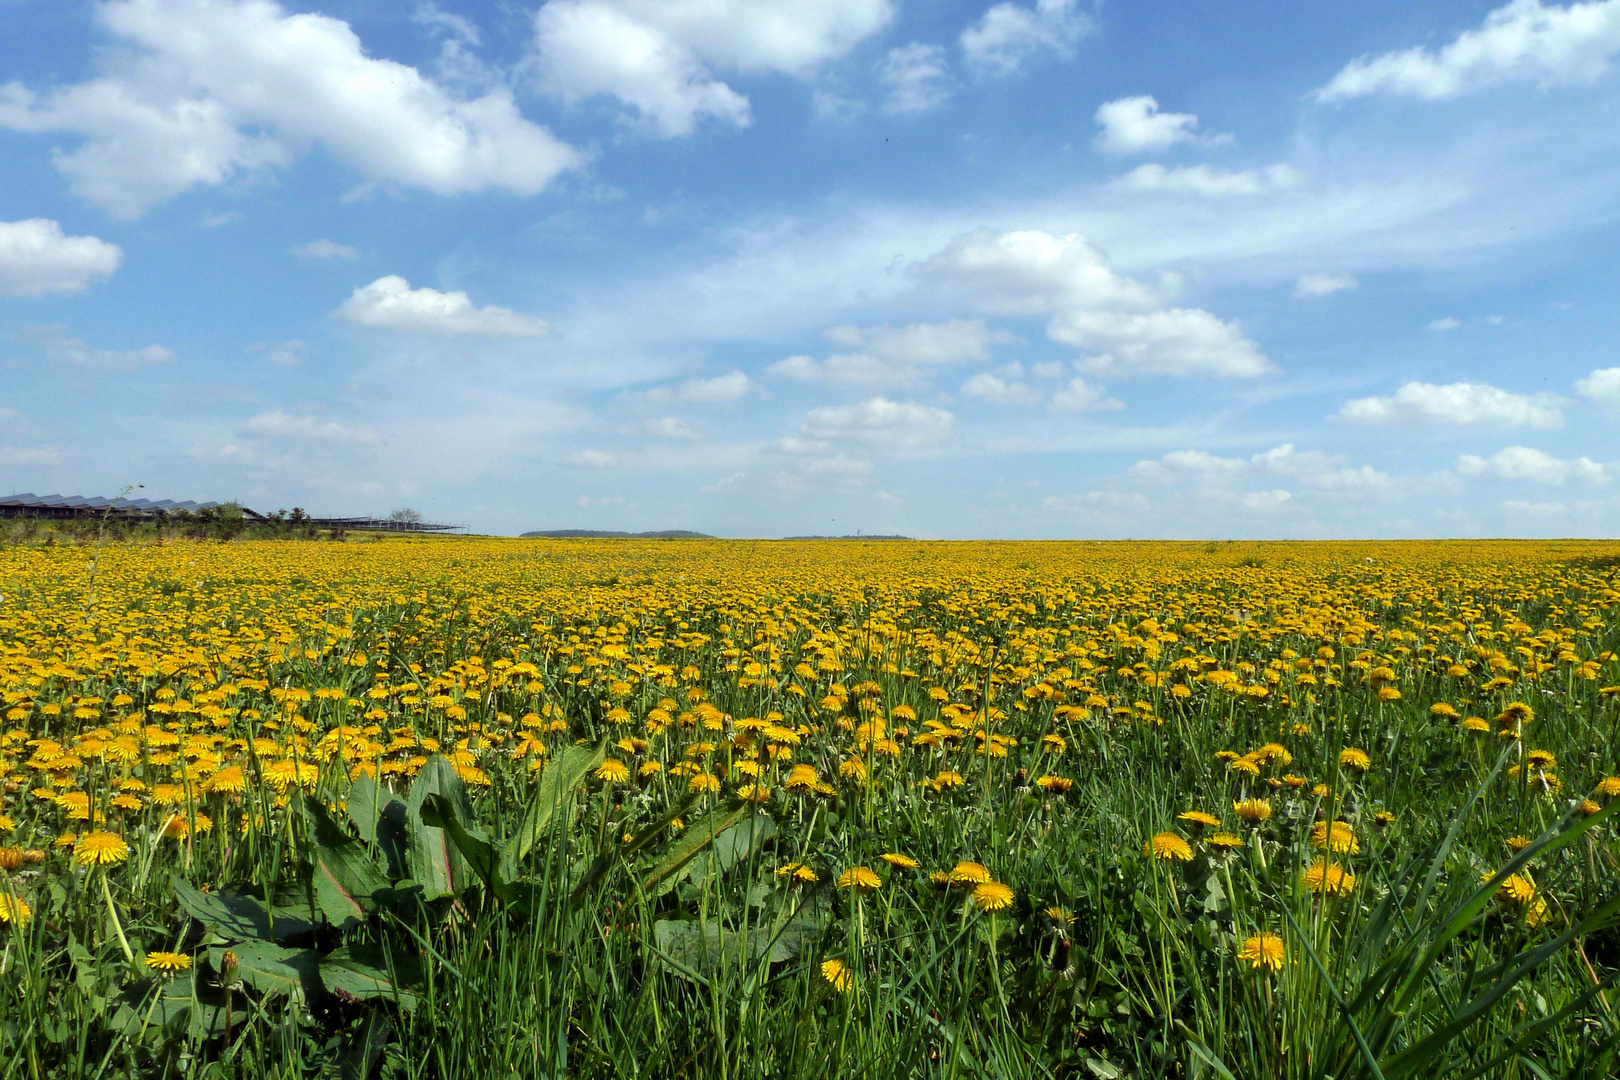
71, 350
389, 303
281, 354
1134, 125
879, 422
1030, 272
1123, 321
1081, 396
672, 427
657, 56
1418, 404
999, 391
892, 355
1266, 500
1008, 34
1314, 286
1440, 326
593, 459
1177, 341
916, 77
1522, 40
324, 249
19, 443
720, 390
1209, 182
1522, 463
37, 259
840, 466
1309, 469
296, 427
1602, 386
202, 91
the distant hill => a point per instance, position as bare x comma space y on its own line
600, 534
862, 536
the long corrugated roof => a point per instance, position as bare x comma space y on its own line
80, 502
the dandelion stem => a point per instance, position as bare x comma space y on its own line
112, 913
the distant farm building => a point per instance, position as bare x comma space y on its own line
70, 507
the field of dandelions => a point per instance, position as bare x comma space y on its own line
487, 808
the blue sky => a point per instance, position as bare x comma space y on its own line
758, 268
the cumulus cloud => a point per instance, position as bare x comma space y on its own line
62, 348
1209, 182
1267, 500
720, 390
1126, 324
389, 303
1602, 386
892, 355
1134, 125
658, 57
1008, 34
1523, 40
1440, 326
899, 425
38, 259
1316, 286
999, 391
672, 427
1081, 396
916, 78
199, 92
1308, 469
324, 250
592, 459
1418, 404
1528, 465
1177, 341
296, 427
1030, 272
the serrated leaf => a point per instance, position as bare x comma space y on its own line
238, 918
555, 797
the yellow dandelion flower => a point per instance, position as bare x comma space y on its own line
13, 910
1329, 878
168, 962
838, 975
1264, 952
100, 849
859, 878
1253, 811
1168, 847
754, 793
613, 771
894, 858
1198, 817
1352, 758
1226, 840
969, 873
1335, 836
992, 896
